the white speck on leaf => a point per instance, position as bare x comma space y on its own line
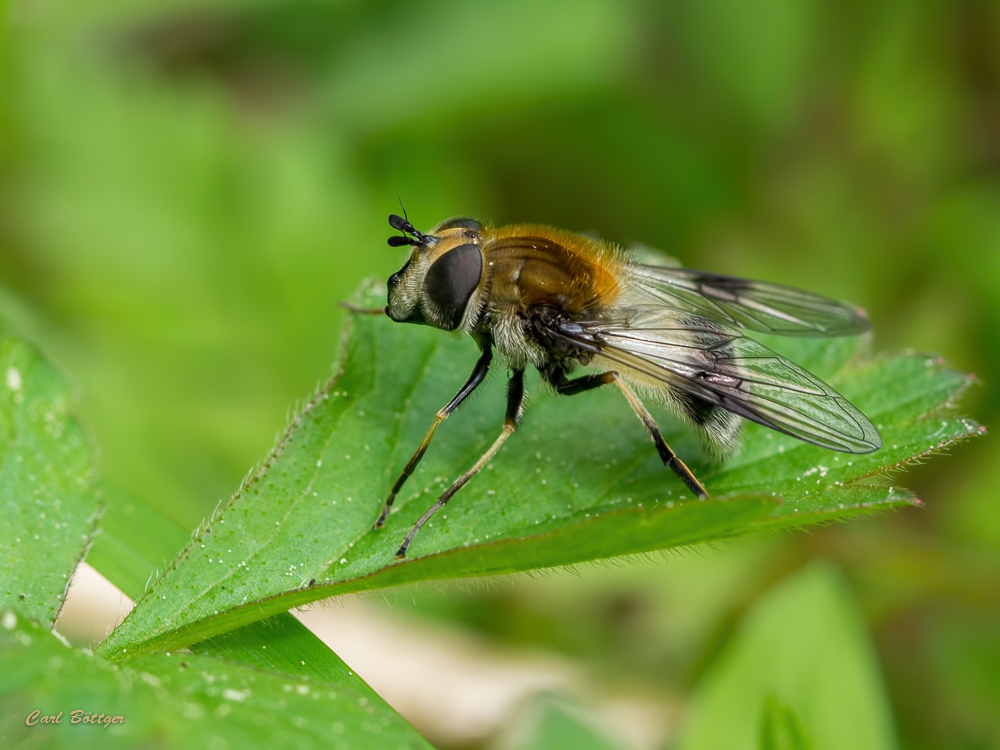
14, 381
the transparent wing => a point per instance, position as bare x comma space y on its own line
753, 305
721, 366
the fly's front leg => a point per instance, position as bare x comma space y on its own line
362, 310
475, 380
515, 400
557, 378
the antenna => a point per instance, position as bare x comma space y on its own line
402, 224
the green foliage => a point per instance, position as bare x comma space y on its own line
178, 700
135, 541
48, 508
780, 728
560, 727
803, 655
271, 683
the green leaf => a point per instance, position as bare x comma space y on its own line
47, 507
909, 398
579, 481
561, 726
284, 645
805, 647
45, 477
177, 700
780, 728
134, 541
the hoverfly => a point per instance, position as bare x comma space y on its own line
552, 300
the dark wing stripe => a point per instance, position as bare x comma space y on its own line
725, 368
753, 305
820, 417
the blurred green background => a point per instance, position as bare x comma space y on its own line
188, 189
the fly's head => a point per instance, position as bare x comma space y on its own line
441, 283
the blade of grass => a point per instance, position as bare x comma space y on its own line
803, 645
134, 541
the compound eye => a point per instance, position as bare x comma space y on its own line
450, 282
459, 223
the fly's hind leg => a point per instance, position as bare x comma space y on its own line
557, 378
475, 380
669, 457
515, 399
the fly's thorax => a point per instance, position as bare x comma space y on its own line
534, 267
538, 265
442, 283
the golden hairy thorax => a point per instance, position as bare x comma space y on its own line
538, 265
